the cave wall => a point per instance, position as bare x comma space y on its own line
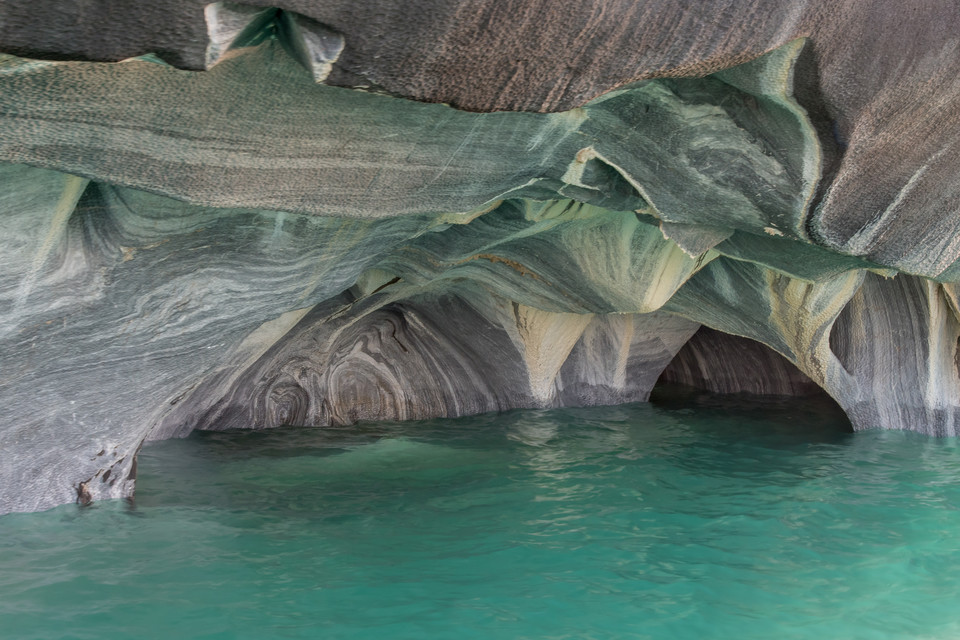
301, 233
724, 364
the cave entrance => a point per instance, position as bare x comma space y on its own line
719, 371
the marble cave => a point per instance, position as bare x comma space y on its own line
221, 216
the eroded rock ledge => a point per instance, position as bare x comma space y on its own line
245, 247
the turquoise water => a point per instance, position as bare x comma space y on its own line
716, 521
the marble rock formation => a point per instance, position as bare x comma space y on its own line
244, 216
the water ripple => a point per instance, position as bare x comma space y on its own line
729, 521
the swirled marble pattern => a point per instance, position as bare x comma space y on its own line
247, 247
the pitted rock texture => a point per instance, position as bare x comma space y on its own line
880, 79
248, 246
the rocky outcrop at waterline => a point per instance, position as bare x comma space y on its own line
249, 246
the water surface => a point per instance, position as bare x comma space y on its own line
720, 520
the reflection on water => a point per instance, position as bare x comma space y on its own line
701, 519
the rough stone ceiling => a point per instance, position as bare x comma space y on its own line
261, 243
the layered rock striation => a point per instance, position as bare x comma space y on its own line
248, 246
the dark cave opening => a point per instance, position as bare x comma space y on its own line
715, 370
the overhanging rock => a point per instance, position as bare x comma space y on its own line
247, 247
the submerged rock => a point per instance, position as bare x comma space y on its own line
249, 247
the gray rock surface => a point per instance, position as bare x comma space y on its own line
726, 364
249, 246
